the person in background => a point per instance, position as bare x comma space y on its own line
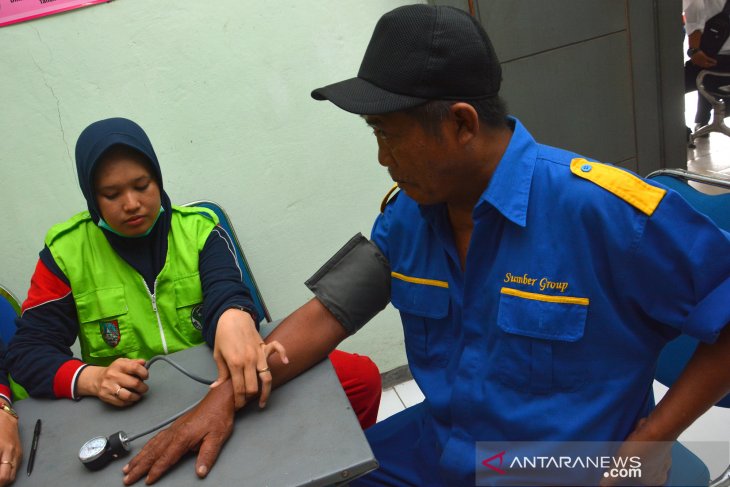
11, 450
696, 14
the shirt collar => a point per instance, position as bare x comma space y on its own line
509, 189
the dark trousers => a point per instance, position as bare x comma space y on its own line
406, 448
702, 116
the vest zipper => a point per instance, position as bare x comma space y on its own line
153, 298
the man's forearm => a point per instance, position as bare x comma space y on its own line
693, 40
704, 381
309, 334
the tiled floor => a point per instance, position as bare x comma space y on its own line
398, 398
711, 156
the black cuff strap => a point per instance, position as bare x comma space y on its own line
354, 284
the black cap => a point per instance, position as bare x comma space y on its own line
419, 53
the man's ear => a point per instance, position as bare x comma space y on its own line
467, 121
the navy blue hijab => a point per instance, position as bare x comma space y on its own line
145, 254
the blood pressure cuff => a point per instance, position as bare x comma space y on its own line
354, 284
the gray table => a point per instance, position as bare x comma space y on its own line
307, 435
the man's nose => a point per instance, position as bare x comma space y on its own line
385, 158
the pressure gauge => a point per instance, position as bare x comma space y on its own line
98, 452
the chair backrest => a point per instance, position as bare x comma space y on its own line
248, 278
677, 353
9, 310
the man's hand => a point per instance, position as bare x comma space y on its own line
119, 384
703, 60
10, 449
704, 381
204, 429
241, 355
655, 457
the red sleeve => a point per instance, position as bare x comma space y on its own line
65, 379
5, 393
45, 286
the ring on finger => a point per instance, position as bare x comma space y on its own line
8, 462
267, 369
116, 394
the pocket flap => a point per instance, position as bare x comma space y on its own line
188, 291
101, 303
561, 318
420, 299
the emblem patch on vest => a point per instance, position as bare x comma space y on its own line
196, 317
110, 332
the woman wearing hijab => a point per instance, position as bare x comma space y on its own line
135, 276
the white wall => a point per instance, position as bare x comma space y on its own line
222, 89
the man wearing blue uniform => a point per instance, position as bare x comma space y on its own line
536, 287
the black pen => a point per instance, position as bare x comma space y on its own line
34, 445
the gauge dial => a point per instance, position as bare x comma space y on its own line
93, 448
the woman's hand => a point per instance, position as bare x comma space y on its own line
10, 449
241, 355
120, 384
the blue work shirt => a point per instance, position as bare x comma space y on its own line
571, 288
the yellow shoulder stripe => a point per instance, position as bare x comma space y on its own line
633, 190
386, 200
420, 280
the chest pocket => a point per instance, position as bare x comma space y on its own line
189, 309
424, 309
105, 332
537, 339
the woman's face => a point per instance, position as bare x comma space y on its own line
127, 194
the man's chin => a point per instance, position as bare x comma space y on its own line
418, 196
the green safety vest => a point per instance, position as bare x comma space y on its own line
118, 315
